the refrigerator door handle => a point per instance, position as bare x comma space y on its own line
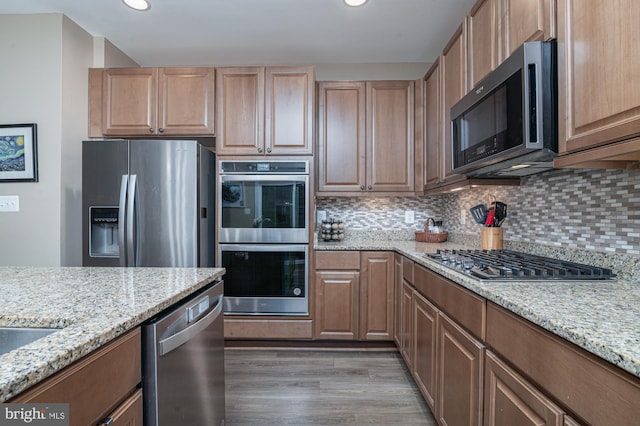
122, 220
131, 207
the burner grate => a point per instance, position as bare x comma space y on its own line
513, 265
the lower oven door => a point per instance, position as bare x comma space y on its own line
265, 279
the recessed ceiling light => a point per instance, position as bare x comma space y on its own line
138, 4
355, 3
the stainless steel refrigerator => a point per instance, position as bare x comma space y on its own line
148, 203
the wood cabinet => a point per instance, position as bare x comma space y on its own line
460, 375
482, 41
397, 299
424, 333
365, 137
598, 88
445, 358
354, 295
265, 111
376, 295
591, 389
525, 20
151, 102
99, 386
445, 85
510, 400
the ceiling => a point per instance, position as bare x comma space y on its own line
265, 32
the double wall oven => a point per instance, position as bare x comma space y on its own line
263, 209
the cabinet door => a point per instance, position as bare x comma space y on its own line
376, 295
389, 136
240, 111
129, 413
407, 323
453, 74
460, 369
598, 68
185, 101
341, 136
526, 20
511, 400
337, 296
434, 161
424, 338
289, 110
130, 101
397, 300
482, 41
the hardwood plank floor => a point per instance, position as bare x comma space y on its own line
321, 387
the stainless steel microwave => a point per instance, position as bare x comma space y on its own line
507, 125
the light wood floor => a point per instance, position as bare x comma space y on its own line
319, 387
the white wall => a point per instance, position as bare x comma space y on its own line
30, 83
77, 58
43, 80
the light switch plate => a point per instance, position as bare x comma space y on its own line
9, 203
463, 217
321, 215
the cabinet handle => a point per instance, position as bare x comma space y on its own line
369, 187
362, 187
161, 129
269, 150
260, 150
150, 129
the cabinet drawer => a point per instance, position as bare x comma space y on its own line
407, 270
338, 260
94, 385
595, 390
468, 309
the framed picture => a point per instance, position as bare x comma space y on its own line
232, 194
18, 153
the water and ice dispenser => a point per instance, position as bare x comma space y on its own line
103, 232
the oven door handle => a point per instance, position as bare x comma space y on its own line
172, 342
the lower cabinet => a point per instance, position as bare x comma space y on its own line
460, 363
510, 400
354, 295
99, 388
425, 336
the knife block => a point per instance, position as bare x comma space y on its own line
491, 238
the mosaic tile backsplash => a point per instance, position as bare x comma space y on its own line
578, 209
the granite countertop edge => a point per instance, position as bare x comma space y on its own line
611, 336
129, 297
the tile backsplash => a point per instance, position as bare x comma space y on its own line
581, 209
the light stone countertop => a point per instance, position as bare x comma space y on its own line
91, 306
602, 317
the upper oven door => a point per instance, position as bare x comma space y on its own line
263, 208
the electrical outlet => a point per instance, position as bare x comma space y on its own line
321, 215
463, 217
9, 203
409, 216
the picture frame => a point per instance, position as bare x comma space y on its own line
18, 153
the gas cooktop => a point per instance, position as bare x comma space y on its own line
508, 265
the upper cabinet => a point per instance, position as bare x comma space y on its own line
598, 84
434, 150
151, 102
265, 111
452, 69
525, 20
365, 137
482, 41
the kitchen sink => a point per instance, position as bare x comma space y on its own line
14, 337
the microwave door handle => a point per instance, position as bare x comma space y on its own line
131, 217
122, 214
